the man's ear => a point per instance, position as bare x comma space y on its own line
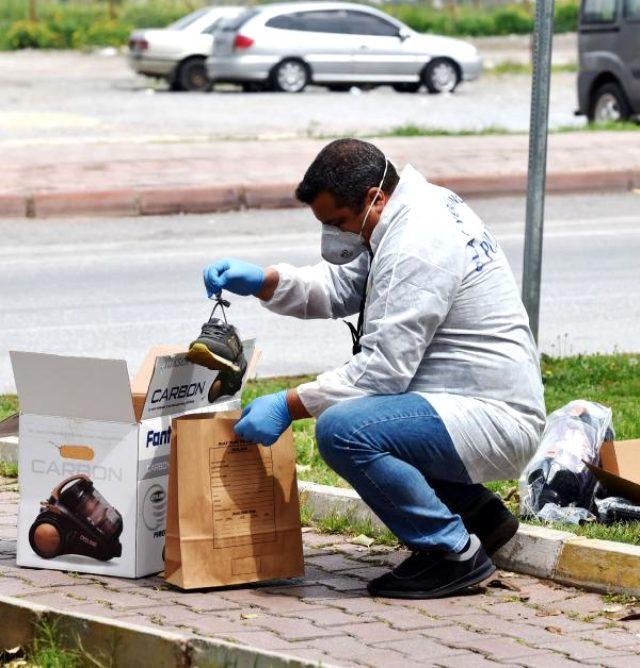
375, 193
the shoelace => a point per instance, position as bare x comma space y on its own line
215, 326
223, 304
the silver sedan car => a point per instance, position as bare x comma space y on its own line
178, 52
286, 46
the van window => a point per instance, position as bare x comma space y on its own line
599, 11
632, 10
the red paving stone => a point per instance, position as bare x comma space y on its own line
165, 178
325, 619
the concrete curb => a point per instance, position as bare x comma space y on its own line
217, 198
123, 644
600, 565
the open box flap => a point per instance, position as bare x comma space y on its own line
620, 470
177, 385
617, 486
10, 425
622, 458
75, 387
140, 384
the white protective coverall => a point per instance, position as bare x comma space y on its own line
443, 318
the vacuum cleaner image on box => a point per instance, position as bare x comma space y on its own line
77, 519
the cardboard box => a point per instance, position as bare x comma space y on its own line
620, 468
94, 452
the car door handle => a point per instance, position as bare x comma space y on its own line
364, 47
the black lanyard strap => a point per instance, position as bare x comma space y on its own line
356, 332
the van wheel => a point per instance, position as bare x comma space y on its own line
441, 75
192, 75
609, 104
290, 76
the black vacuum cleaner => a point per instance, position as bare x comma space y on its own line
77, 519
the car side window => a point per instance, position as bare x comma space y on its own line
210, 29
328, 21
599, 11
285, 22
362, 23
632, 10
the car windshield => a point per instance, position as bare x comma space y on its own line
187, 20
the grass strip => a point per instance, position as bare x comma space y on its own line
411, 130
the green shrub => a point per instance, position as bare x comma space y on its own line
65, 27
475, 25
470, 21
566, 16
73, 25
107, 33
156, 14
513, 21
31, 35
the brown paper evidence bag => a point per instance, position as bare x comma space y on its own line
233, 513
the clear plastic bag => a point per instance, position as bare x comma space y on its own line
557, 473
552, 512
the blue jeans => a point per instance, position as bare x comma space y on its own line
397, 454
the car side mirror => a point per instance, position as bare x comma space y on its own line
403, 35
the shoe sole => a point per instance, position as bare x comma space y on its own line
474, 578
200, 354
501, 536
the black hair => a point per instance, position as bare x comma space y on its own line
347, 168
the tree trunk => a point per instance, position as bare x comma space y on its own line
33, 10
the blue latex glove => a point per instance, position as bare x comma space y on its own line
241, 278
264, 419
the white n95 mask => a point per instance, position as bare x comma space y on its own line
338, 246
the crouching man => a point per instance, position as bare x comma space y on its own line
443, 391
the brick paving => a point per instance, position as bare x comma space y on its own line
108, 167
328, 618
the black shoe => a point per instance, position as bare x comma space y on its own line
227, 383
482, 512
218, 347
493, 523
435, 574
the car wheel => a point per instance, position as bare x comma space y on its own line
441, 75
609, 105
192, 75
290, 76
407, 87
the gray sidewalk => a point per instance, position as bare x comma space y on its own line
327, 618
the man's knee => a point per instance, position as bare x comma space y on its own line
333, 430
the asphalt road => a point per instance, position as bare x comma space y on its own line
62, 97
114, 287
